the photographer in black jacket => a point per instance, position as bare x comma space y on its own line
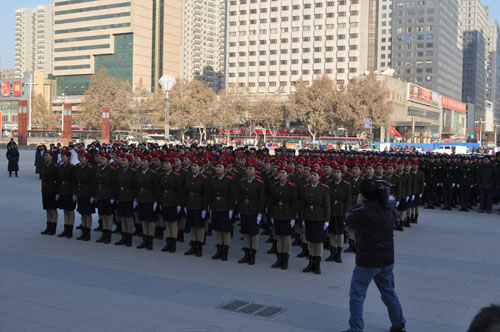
373, 220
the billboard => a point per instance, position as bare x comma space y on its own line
17, 88
453, 104
423, 95
5, 89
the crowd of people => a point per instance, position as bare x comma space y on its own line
297, 198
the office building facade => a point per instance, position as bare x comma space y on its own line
493, 68
384, 35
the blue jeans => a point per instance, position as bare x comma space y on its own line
384, 279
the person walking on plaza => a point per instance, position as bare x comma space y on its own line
486, 179
13, 158
66, 191
39, 152
374, 226
283, 209
85, 191
50, 180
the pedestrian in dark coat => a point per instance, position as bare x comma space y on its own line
13, 158
486, 179
40, 151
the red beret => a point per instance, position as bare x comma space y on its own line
284, 168
51, 153
339, 168
317, 170
85, 154
67, 153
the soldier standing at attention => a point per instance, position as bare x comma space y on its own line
197, 192
316, 214
50, 179
67, 199
147, 201
125, 194
355, 180
171, 196
340, 198
251, 201
418, 188
283, 208
105, 194
85, 193
222, 199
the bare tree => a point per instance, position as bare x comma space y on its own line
268, 112
230, 109
41, 116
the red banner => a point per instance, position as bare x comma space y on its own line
394, 132
22, 123
17, 88
5, 89
454, 105
105, 131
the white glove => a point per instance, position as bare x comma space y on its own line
179, 208
155, 205
92, 200
458, 186
326, 225
453, 185
425, 184
186, 211
272, 221
397, 204
420, 195
230, 214
74, 198
112, 201
203, 214
57, 197
303, 223
259, 218
239, 216
135, 204
412, 197
471, 185
407, 198
292, 222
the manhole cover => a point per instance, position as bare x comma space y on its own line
250, 308
233, 305
269, 312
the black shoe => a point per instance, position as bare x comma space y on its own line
173, 245
167, 247
297, 240
69, 232
218, 254
246, 257
144, 243
225, 252
309, 266
180, 236
352, 247
107, 240
273, 249
333, 254
415, 219
159, 233
192, 249
199, 249
317, 265
87, 234
47, 229
103, 236
251, 258
402, 328
83, 234
79, 227
52, 230
150, 243
128, 239
122, 241
407, 223
399, 226
63, 234
338, 257
305, 251
99, 228
284, 264
279, 261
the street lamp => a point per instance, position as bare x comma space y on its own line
167, 82
480, 122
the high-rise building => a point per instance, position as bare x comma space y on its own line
34, 40
493, 67
427, 45
204, 41
384, 35
273, 44
133, 40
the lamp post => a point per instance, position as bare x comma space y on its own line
480, 122
167, 82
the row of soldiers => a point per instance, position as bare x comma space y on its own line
199, 190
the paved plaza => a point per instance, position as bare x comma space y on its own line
447, 268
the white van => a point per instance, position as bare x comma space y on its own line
448, 149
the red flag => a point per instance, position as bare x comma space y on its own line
394, 132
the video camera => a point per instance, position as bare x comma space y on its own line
386, 193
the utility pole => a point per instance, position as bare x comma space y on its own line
30, 102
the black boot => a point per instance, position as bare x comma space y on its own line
87, 234
407, 223
144, 243
103, 236
333, 254
150, 242
180, 236
69, 232
98, 228
297, 240
279, 261
122, 241
52, 229
251, 258
47, 229
352, 246
284, 263
167, 247
415, 220
63, 234
218, 254
128, 240
225, 252
399, 226
246, 257
159, 233
137, 230
79, 227
317, 265
107, 240
309, 266
338, 257
199, 249
83, 234
118, 228
173, 245
192, 249
273, 249
16, 174
305, 250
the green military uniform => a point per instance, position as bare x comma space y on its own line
126, 182
105, 178
171, 201
340, 198
148, 192
66, 200
197, 191
84, 191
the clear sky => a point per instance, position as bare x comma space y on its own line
7, 24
